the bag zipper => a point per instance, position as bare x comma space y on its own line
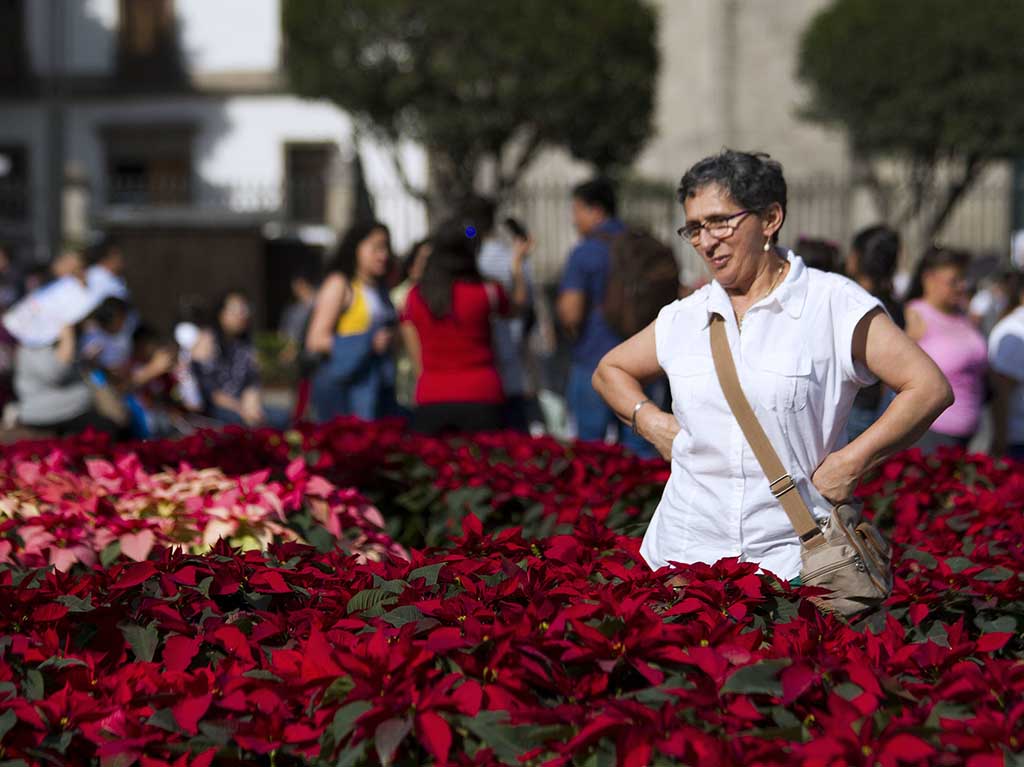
833, 567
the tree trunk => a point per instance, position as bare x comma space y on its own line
952, 195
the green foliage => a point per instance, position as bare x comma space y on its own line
474, 82
927, 79
928, 84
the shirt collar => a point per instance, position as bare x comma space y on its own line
790, 295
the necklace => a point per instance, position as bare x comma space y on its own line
775, 280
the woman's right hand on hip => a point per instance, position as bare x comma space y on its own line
659, 428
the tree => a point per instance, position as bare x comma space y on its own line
933, 87
482, 85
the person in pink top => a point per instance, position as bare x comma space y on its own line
937, 319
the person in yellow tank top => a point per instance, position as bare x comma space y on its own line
353, 327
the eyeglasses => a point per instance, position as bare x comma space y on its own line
719, 227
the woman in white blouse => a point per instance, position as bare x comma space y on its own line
803, 342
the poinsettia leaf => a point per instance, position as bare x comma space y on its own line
394, 586
76, 604
1000, 624
493, 731
429, 573
994, 641
110, 554
338, 690
345, 719
262, 673
995, 574
164, 719
389, 736
142, 639
368, 598
353, 755
923, 557
402, 615
33, 688
61, 663
761, 677
958, 564
7, 720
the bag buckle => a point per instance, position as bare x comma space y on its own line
789, 485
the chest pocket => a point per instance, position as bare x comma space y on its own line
784, 380
691, 378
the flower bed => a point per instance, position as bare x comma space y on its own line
546, 644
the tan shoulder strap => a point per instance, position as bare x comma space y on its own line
779, 480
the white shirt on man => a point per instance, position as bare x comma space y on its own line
1006, 356
795, 362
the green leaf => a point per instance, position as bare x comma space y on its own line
345, 719
926, 559
7, 720
995, 574
395, 586
491, 728
262, 673
389, 736
1000, 624
61, 663
937, 634
76, 604
339, 690
164, 719
353, 755
848, 690
110, 554
368, 598
402, 615
959, 564
203, 587
760, 677
143, 641
427, 572
34, 688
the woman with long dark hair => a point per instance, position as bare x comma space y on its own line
937, 320
353, 326
447, 328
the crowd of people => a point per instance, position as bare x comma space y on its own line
457, 337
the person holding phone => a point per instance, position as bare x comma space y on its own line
495, 261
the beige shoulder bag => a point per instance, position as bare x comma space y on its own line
843, 554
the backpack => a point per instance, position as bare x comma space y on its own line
643, 276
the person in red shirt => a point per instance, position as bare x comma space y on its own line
446, 325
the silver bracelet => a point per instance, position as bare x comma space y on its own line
636, 409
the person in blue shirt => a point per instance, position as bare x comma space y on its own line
580, 311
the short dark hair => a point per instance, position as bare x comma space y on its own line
752, 179
344, 260
878, 253
936, 257
818, 253
480, 212
102, 248
597, 193
110, 310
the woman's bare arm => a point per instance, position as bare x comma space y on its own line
619, 380
332, 298
922, 393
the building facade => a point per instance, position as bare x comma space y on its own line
174, 117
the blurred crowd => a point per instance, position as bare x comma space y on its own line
457, 337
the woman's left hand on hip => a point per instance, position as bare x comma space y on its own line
834, 479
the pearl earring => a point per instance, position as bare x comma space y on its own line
767, 245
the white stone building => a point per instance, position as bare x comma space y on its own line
174, 116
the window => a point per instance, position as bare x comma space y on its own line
13, 183
149, 165
307, 169
148, 40
12, 41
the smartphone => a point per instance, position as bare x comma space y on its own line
517, 229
